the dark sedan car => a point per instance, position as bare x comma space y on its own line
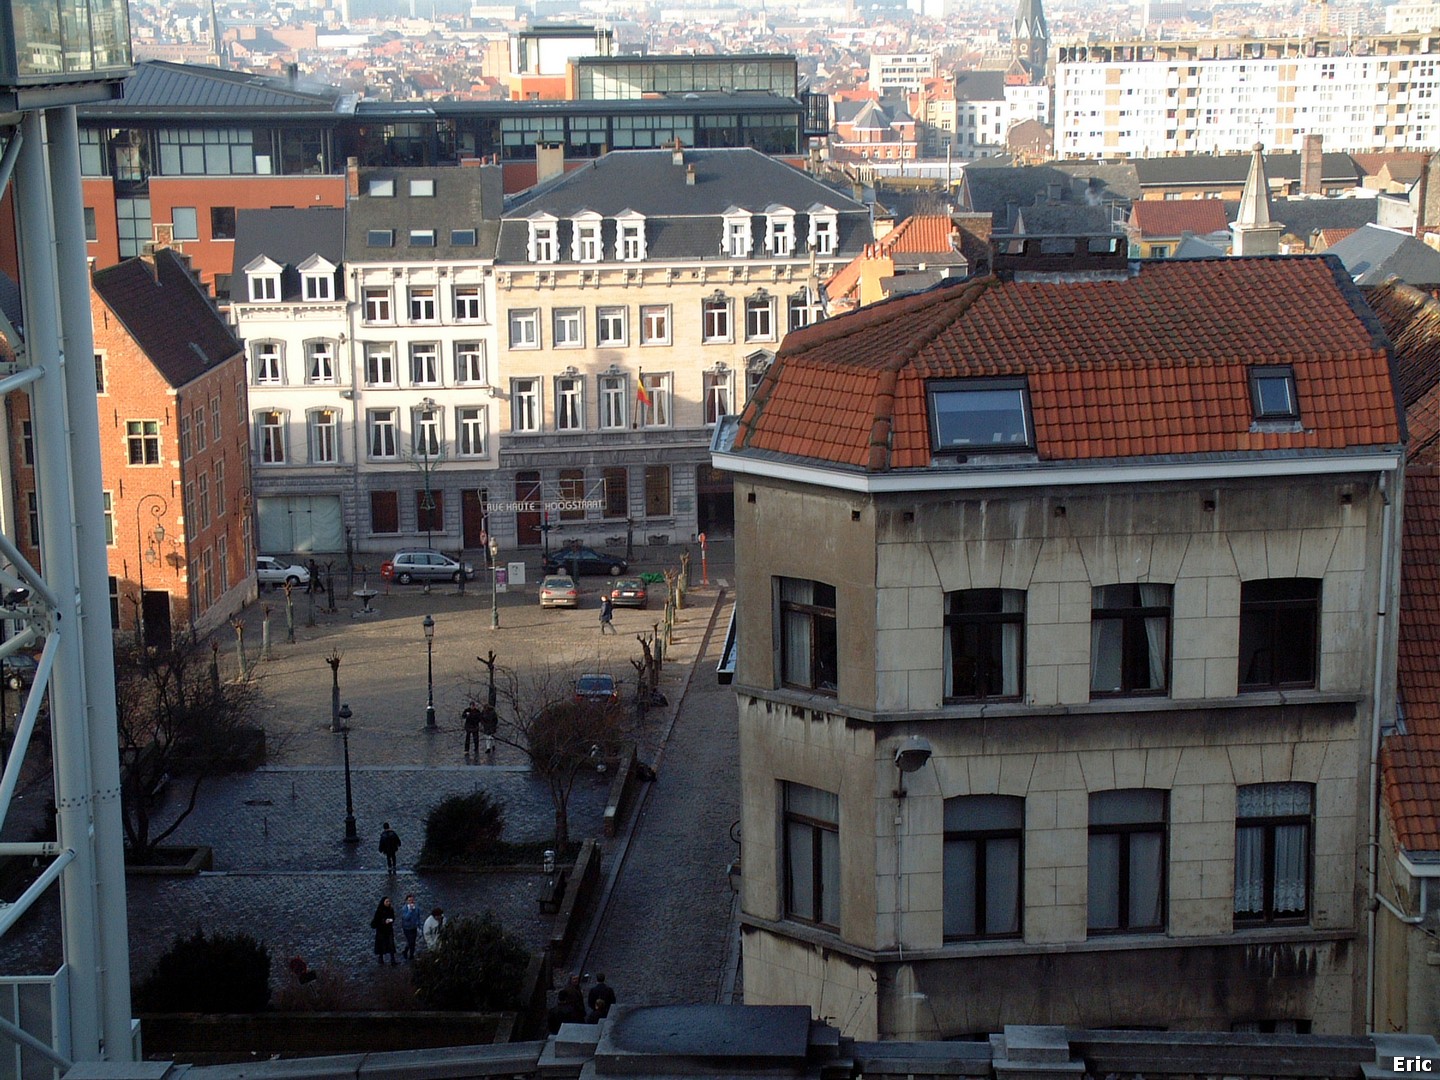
584, 560
629, 592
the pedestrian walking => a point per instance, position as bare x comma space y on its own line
433, 925
601, 997
410, 922
389, 845
489, 724
471, 719
383, 924
607, 614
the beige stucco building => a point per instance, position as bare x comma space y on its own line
1065, 716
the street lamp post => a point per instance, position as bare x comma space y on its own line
429, 625
351, 836
141, 554
494, 583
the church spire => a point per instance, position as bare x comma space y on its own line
1253, 233
1030, 38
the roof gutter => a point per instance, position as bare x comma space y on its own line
1007, 478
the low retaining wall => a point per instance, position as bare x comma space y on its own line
583, 884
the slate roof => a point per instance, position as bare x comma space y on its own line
1302, 217
979, 86
1162, 218
1192, 247
289, 237
169, 314
165, 89
1154, 364
1233, 168
1065, 219
1410, 762
682, 221
991, 190
467, 197
1372, 253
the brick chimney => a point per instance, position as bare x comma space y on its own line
549, 160
352, 178
677, 153
1312, 164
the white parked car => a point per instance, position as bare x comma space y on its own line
272, 571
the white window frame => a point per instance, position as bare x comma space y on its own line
268, 363
379, 361
472, 429
653, 316
381, 435
324, 434
264, 288
270, 437
760, 309
318, 352
717, 320
630, 239
737, 240
527, 410
658, 414
544, 240
468, 303
427, 432
422, 303
318, 287
569, 403
718, 395
612, 318
780, 232
614, 402
585, 238
524, 328
424, 363
379, 304
470, 363
824, 235
568, 329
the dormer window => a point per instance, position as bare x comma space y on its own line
780, 231
317, 279
736, 241
1272, 393
630, 237
980, 416
824, 238
263, 277
544, 243
585, 238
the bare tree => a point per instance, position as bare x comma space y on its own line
559, 734
178, 725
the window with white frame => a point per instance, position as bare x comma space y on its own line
422, 189
324, 440
470, 363
382, 432
630, 238
525, 405
780, 231
655, 324
611, 327
613, 402
422, 303
320, 362
802, 309
525, 328
470, 426
264, 287
424, 363
467, 303
569, 403
654, 400
585, 239
426, 429
824, 230
377, 305
569, 328
544, 246
1272, 852
379, 364
760, 318
268, 363
718, 396
422, 238
715, 319
736, 242
271, 440
318, 285
142, 441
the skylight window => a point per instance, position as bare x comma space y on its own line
462, 237
382, 189
980, 415
1272, 392
422, 237
380, 238
422, 189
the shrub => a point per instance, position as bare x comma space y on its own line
478, 967
463, 829
227, 973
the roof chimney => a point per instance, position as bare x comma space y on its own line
690, 175
1312, 161
677, 156
352, 178
549, 160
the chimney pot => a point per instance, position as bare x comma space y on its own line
690, 175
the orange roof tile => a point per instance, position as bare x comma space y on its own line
1411, 762
1156, 363
1172, 217
923, 233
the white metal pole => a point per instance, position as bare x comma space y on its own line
39, 276
97, 641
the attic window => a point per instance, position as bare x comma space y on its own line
422, 189
380, 238
382, 189
1272, 392
462, 237
422, 237
980, 415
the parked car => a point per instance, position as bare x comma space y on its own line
558, 590
423, 564
18, 670
628, 592
272, 571
597, 687
584, 560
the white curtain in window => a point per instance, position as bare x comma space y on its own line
796, 631
1011, 600
800, 854
1002, 886
1291, 854
1272, 800
1155, 631
1249, 870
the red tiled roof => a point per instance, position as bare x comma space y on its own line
923, 233
1331, 237
1411, 319
1411, 762
1171, 217
1153, 364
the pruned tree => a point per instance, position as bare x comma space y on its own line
560, 736
178, 725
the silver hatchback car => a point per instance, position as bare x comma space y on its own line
424, 564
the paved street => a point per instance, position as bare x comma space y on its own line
282, 870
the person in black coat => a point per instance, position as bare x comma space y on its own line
384, 926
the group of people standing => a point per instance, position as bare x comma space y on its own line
574, 1006
413, 924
